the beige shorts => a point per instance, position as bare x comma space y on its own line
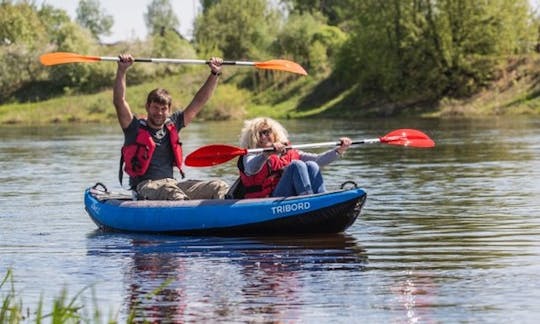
170, 189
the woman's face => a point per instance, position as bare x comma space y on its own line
266, 136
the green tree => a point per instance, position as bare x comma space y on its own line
170, 44
91, 16
53, 19
19, 24
335, 11
164, 38
22, 37
308, 40
206, 4
71, 77
237, 29
431, 49
67, 36
160, 17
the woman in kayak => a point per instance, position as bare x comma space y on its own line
282, 171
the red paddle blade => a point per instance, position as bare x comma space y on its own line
408, 137
213, 154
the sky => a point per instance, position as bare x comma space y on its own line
129, 16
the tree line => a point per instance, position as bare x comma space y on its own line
393, 50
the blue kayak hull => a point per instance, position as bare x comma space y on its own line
330, 212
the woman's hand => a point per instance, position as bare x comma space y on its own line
279, 148
344, 146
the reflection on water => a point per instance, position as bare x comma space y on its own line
226, 271
449, 234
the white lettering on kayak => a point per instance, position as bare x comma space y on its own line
287, 208
95, 207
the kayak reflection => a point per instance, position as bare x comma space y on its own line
176, 279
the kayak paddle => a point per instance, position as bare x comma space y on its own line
220, 153
65, 57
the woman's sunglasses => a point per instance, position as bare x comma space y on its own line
265, 132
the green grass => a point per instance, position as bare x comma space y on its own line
227, 102
517, 92
65, 309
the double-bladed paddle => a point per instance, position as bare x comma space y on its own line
65, 57
220, 153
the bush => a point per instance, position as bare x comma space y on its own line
227, 103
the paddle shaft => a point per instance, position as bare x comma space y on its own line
312, 145
176, 61
67, 57
219, 153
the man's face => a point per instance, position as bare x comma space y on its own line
157, 114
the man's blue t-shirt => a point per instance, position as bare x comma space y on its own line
162, 162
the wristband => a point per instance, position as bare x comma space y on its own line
215, 73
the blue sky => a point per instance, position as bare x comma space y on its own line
128, 16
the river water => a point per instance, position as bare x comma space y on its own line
449, 234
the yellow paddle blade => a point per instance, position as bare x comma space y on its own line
65, 57
281, 65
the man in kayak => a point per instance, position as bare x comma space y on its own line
281, 172
152, 145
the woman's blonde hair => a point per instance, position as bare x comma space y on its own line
249, 136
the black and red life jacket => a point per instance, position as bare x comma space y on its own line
263, 183
138, 155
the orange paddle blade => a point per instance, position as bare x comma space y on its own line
281, 65
65, 57
213, 154
408, 137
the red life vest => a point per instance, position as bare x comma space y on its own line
138, 155
263, 183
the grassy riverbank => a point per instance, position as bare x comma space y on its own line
515, 90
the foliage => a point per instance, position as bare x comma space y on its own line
431, 49
72, 38
21, 35
19, 24
357, 52
309, 41
64, 310
160, 17
28, 32
91, 16
229, 102
336, 12
256, 30
206, 4
170, 44
238, 29
53, 20
11, 309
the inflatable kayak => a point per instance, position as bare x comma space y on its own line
330, 212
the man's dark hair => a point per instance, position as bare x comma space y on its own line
160, 96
